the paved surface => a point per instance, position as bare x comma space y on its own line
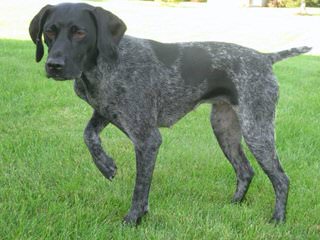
264, 29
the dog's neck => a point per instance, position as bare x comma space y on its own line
102, 71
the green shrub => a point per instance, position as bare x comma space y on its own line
293, 3
313, 3
177, 1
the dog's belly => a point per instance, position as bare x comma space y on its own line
169, 116
179, 98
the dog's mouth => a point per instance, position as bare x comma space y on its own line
62, 77
58, 77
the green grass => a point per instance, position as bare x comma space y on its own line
50, 188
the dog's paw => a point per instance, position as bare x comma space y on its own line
236, 199
111, 173
277, 219
132, 219
108, 170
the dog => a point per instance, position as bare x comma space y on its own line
139, 85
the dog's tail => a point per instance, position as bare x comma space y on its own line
278, 56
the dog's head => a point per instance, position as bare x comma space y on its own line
76, 36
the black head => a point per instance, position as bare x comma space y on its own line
76, 35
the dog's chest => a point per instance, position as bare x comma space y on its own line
95, 93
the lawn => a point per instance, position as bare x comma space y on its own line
50, 188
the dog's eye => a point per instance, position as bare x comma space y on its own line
78, 34
50, 34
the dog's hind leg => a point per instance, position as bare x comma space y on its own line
91, 137
226, 127
258, 131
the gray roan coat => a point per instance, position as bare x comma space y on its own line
140, 85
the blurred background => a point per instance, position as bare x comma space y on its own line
266, 25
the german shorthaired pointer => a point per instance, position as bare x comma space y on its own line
140, 85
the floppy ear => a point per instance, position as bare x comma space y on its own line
110, 30
36, 28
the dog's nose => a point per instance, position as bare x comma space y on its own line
55, 64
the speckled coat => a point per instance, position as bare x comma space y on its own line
140, 85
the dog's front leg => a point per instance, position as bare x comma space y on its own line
146, 149
91, 137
